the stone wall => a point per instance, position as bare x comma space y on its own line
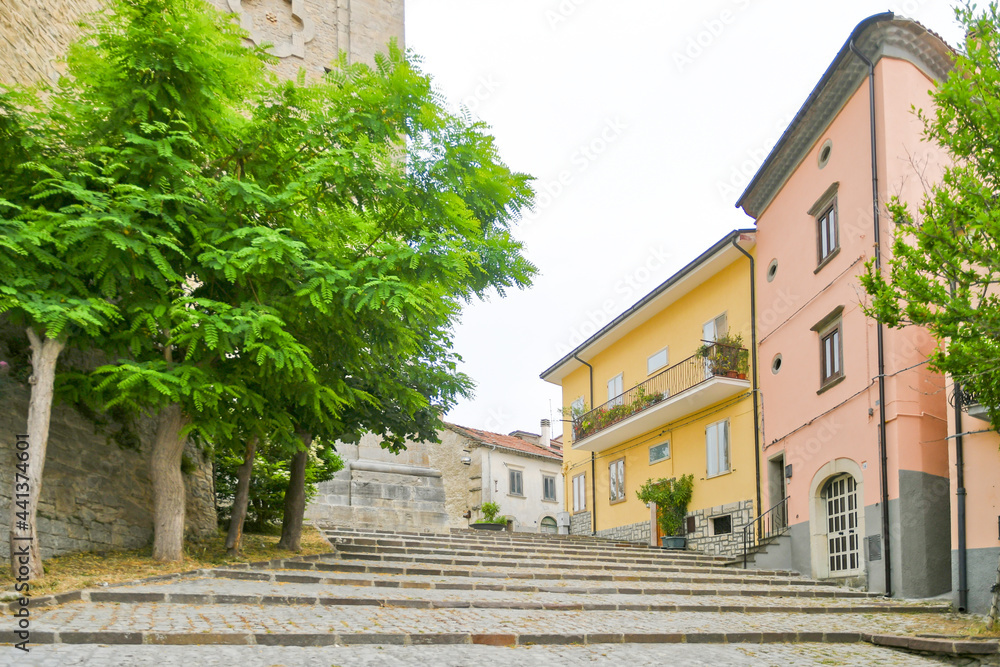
34, 34
579, 523
95, 495
704, 539
633, 532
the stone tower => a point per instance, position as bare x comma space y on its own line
34, 34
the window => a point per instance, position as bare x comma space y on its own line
548, 487
516, 485
577, 406
826, 228
579, 493
616, 483
722, 525
615, 387
717, 445
830, 352
656, 361
659, 452
715, 329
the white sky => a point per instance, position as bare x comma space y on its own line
642, 120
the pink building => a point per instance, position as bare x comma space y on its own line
834, 387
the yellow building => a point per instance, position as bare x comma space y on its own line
672, 381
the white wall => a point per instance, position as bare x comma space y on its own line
527, 510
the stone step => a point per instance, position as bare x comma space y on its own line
467, 582
514, 545
446, 543
209, 590
468, 571
525, 563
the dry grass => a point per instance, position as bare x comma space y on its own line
75, 571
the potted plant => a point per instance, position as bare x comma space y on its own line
491, 518
725, 356
672, 497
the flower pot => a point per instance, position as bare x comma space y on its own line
741, 376
490, 526
731, 374
673, 542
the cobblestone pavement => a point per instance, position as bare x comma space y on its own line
635, 655
159, 617
326, 611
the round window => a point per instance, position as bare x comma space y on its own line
776, 364
824, 153
772, 270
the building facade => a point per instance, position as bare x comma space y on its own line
855, 425
644, 404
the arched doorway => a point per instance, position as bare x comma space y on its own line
840, 496
837, 521
548, 525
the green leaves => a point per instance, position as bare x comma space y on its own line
945, 260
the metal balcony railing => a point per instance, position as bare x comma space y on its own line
718, 360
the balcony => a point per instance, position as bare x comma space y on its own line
691, 385
969, 402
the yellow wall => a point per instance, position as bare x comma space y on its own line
678, 326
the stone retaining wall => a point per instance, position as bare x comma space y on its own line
95, 495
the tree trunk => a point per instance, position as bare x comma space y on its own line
992, 617
295, 499
26, 556
168, 485
234, 540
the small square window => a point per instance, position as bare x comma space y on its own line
516, 483
548, 487
660, 452
616, 482
656, 361
722, 525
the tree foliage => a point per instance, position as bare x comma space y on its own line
945, 264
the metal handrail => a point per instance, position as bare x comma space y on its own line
717, 360
769, 524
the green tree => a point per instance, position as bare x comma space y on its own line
945, 262
321, 237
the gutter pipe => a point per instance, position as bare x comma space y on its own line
753, 353
883, 455
593, 457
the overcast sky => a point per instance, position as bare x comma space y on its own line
642, 120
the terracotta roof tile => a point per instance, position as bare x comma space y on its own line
505, 441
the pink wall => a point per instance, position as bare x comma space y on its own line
814, 428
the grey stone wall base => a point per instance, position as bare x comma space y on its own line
633, 532
580, 524
703, 537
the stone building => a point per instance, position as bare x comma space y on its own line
438, 486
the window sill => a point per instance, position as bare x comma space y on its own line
827, 259
616, 502
580, 511
549, 500
516, 495
830, 384
653, 463
721, 474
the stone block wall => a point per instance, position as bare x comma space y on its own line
579, 523
95, 495
34, 34
704, 539
633, 532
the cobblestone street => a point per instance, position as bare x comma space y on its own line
465, 599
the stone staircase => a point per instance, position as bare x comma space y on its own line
456, 598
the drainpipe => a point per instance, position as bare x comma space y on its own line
883, 454
593, 457
963, 576
753, 355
